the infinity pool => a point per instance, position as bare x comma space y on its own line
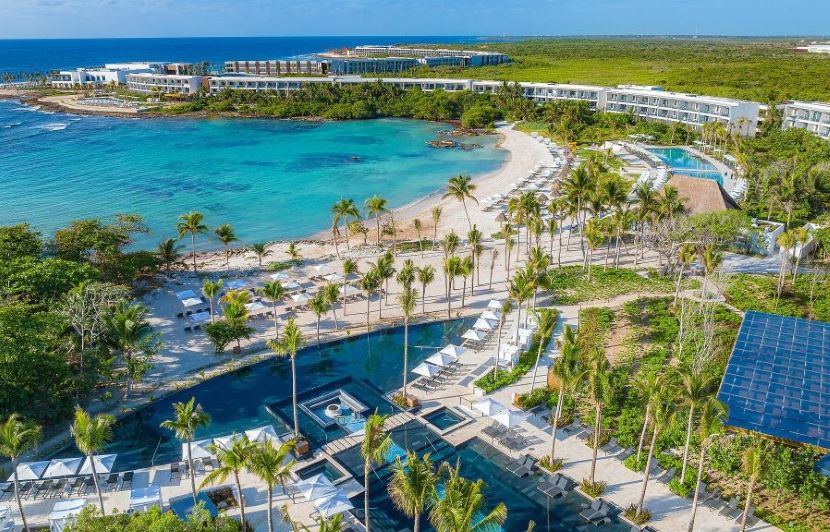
685, 162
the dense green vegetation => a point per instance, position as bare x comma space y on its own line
808, 297
570, 285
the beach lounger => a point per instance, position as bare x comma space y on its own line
591, 512
40, 489
127, 480
731, 509
180, 315
712, 501
751, 519
57, 488
554, 489
495, 431
623, 454
75, 486
612, 447
666, 477
175, 472
8, 489
522, 467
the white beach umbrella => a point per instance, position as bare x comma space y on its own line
349, 290
482, 325
236, 284
30, 470
200, 317
191, 302
441, 359
474, 335
199, 449
427, 370
224, 441
494, 304
333, 277
256, 308
62, 467
300, 298
489, 315
322, 268
262, 434
185, 294
488, 406
453, 350
291, 285
509, 418
103, 464
333, 504
316, 487
279, 276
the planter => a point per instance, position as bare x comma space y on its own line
302, 448
478, 392
412, 401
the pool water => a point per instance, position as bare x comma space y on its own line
684, 162
241, 399
479, 460
329, 470
443, 418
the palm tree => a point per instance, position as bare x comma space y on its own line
192, 224
452, 265
801, 238
661, 417
270, 465
568, 370
461, 189
331, 293
376, 206
261, 251
436, 218
709, 429
465, 270
384, 267
370, 283
450, 243
273, 291
226, 235
211, 289
752, 466
319, 304
685, 256
506, 308
418, 228
474, 238
168, 254
597, 388
494, 254
232, 457
16, 438
576, 188
521, 289
786, 242
546, 321
648, 386
189, 417
344, 211
407, 300
131, 331
291, 342
373, 450
462, 505
711, 259
694, 390
91, 434
426, 274
552, 227
406, 275
593, 235
293, 251
412, 486
350, 268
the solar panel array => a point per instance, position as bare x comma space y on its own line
777, 381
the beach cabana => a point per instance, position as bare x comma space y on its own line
224, 441
191, 302
474, 335
453, 350
236, 284
30, 470
200, 317
291, 285
509, 418
62, 467
198, 449
63, 514
441, 359
494, 305
316, 487
333, 504
489, 315
142, 499
185, 294
256, 308
279, 276
482, 325
300, 298
333, 277
427, 370
488, 406
349, 290
103, 464
263, 434
322, 268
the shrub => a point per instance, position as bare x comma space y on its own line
638, 518
632, 463
684, 489
593, 489
554, 466
224, 332
545, 395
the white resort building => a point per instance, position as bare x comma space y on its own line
148, 83
111, 74
812, 116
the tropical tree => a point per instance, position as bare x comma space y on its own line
569, 372
132, 333
319, 304
384, 267
576, 187
450, 243
598, 390
462, 506
711, 259
506, 308
685, 256
350, 269
373, 450
406, 275
709, 429
291, 342
436, 219
376, 206
695, 389
91, 434
416, 223
273, 291
226, 235
272, 466
546, 319
452, 266
593, 236
521, 289
752, 466
188, 418
293, 251
233, 458
648, 385
661, 418
212, 289
331, 293
786, 242
494, 254
801, 238
461, 189
426, 275
412, 486
407, 300
474, 238
369, 283
465, 270
344, 211
261, 251
191, 224
17, 437
168, 254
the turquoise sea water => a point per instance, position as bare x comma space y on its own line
270, 179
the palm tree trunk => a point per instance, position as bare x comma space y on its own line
647, 471
417, 523
597, 429
346, 232
536, 366
377, 223
17, 496
498, 347
688, 440
276, 323
241, 499
555, 425
643, 433
334, 238
294, 396
270, 508
748, 503
467, 214
405, 352
697, 487
192, 471
518, 320
97, 487
423, 298
318, 330
677, 287
366, 495
193, 246
368, 308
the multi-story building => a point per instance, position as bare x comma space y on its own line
812, 116
276, 67
262, 83
814, 48
150, 83
114, 74
348, 66
469, 57
653, 103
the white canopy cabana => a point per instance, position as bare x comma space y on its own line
191, 302
225, 441
200, 317
30, 470
482, 325
316, 487
490, 315
279, 276
441, 359
62, 467
300, 298
198, 449
509, 418
474, 335
494, 305
349, 290
64, 513
333, 277
333, 504
257, 308
142, 499
488, 406
103, 464
453, 350
236, 284
263, 434
427, 370
322, 268
185, 294
291, 285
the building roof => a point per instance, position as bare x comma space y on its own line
777, 381
700, 195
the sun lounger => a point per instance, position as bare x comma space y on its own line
8, 489
57, 488
731, 509
666, 477
751, 520
175, 472
594, 511
127, 480
554, 489
40, 489
495, 431
523, 467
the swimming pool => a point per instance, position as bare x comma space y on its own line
324, 466
686, 163
479, 460
443, 418
241, 399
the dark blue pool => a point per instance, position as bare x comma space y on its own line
370, 365
443, 418
479, 460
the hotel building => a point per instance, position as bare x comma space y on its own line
275, 67
112, 74
468, 57
812, 116
348, 66
149, 83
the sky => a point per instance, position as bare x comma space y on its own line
191, 18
